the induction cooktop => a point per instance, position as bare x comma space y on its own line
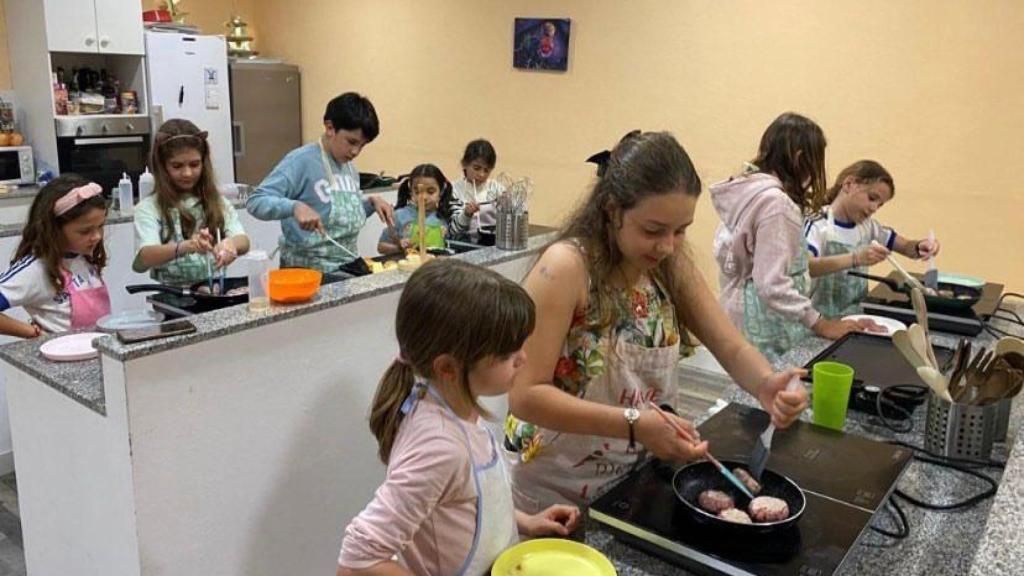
846, 480
883, 301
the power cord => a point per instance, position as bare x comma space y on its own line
899, 519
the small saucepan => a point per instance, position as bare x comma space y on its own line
694, 478
950, 298
236, 291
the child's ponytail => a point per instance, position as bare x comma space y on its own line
386, 411
448, 307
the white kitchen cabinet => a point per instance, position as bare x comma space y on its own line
95, 26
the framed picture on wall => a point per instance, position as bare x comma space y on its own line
541, 44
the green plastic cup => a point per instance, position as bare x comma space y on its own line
832, 383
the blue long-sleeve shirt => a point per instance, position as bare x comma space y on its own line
299, 176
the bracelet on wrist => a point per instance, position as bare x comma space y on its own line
853, 259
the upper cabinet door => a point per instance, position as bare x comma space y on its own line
118, 26
71, 25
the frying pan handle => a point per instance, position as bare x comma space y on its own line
884, 280
136, 288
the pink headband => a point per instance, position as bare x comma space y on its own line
75, 197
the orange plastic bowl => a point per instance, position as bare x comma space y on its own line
292, 285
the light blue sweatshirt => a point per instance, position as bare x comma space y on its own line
299, 176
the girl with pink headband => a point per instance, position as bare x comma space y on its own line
55, 272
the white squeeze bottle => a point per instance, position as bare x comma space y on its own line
125, 202
146, 184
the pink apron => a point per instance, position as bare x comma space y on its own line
87, 304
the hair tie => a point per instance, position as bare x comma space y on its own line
401, 359
76, 196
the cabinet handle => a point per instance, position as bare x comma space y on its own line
104, 41
89, 40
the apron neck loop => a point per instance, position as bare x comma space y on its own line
419, 390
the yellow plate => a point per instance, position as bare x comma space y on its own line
552, 557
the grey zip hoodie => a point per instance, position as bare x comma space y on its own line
758, 239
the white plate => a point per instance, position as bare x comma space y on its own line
890, 325
71, 348
129, 320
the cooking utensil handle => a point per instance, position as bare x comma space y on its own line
899, 268
895, 286
136, 288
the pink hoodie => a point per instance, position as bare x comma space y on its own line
758, 238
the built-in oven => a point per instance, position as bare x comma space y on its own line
102, 148
17, 165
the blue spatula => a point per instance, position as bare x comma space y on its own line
763, 446
714, 461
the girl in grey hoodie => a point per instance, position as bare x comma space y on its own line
759, 244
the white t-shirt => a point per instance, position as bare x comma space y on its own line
26, 284
853, 235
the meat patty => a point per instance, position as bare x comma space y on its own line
714, 501
743, 476
735, 515
768, 509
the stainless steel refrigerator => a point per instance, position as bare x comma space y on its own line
266, 116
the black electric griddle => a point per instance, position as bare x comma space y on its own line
643, 512
884, 301
877, 365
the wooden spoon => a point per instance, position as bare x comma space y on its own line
901, 338
921, 345
910, 280
1009, 344
936, 381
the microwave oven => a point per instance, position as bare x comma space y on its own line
17, 165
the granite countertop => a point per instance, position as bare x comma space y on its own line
80, 381
83, 382
941, 543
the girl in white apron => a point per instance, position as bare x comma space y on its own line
55, 274
474, 195
611, 296
445, 506
845, 236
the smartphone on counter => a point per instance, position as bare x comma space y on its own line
162, 330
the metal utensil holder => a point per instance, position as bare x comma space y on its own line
512, 230
960, 430
1003, 409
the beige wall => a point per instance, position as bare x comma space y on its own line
929, 87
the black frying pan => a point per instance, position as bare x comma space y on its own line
692, 479
205, 300
964, 297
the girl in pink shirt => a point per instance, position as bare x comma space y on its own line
446, 504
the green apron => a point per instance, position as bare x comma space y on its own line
839, 294
772, 333
343, 224
186, 269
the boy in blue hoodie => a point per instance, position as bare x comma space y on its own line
314, 190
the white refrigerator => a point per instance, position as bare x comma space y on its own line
188, 78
